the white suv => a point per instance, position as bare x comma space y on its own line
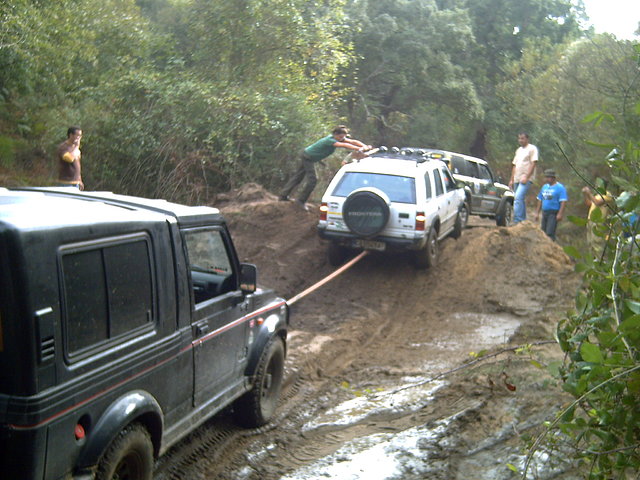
392, 200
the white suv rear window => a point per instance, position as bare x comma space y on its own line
398, 189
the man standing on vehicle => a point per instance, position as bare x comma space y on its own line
313, 154
522, 173
552, 200
69, 159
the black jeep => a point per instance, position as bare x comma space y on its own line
124, 324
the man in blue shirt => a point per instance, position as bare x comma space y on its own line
313, 154
552, 200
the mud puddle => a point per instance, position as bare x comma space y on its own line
379, 423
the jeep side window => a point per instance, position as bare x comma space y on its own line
211, 268
459, 165
439, 187
448, 181
427, 185
485, 173
108, 292
472, 169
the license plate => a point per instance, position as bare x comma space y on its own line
369, 244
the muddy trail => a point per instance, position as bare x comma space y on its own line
385, 378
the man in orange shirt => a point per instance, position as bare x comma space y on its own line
70, 173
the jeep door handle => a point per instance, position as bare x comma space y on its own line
202, 328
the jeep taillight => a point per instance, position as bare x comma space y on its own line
420, 221
324, 208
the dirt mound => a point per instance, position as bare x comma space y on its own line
279, 237
517, 269
249, 192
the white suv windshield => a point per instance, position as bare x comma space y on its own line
398, 189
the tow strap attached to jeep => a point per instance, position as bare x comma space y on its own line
328, 278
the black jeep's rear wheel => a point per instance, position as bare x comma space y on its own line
256, 407
428, 256
365, 213
128, 457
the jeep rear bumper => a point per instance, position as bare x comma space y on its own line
346, 239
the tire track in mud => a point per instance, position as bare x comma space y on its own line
369, 320
208, 444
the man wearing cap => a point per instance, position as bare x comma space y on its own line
552, 200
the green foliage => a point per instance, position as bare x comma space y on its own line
190, 139
410, 87
189, 97
562, 92
6, 151
601, 338
179, 99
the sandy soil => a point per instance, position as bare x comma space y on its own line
370, 391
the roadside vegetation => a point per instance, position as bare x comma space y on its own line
601, 338
186, 98
183, 99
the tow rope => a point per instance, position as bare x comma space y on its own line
328, 278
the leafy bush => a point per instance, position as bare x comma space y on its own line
601, 338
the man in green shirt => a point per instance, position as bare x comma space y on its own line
313, 154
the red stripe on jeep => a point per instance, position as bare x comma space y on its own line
148, 369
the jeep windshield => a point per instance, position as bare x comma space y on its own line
398, 189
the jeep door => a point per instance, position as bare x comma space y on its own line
475, 184
446, 198
489, 195
219, 332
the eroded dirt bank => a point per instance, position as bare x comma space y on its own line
364, 397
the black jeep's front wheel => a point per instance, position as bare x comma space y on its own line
128, 457
428, 256
256, 407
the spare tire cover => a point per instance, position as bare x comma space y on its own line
366, 213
